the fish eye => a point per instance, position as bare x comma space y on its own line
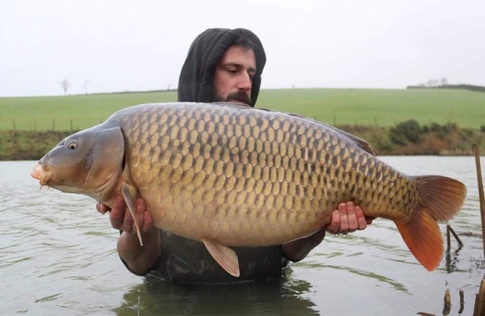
72, 144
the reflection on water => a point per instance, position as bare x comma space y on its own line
57, 255
275, 297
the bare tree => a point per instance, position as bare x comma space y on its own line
65, 85
433, 83
86, 86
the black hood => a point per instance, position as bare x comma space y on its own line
196, 82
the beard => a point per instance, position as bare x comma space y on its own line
243, 97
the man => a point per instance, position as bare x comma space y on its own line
222, 66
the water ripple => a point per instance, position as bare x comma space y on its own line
58, 256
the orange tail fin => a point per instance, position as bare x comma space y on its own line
440, 198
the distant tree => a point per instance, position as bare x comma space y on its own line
433, 83
86, 86
65, 85
444, 81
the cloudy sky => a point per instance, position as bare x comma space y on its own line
118, 45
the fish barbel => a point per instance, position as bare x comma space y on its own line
229, 175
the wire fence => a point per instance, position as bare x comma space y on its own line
42, 125
75, 124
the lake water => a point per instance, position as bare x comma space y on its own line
58, 257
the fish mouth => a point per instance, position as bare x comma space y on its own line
41, 173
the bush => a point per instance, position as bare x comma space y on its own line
407, 132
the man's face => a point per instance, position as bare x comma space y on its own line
233, 77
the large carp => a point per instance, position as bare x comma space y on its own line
230, 175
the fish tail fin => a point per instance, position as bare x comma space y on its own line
440, 198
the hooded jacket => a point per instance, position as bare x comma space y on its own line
185, 260
196, 82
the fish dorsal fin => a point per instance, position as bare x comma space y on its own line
129, 195
361, 143
225, 256
233, 105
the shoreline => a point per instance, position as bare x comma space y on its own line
405, 139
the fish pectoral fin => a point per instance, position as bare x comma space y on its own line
225, 256
129, 193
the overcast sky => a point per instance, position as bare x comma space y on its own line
118, 45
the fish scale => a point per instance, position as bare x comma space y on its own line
229, 175
206, 140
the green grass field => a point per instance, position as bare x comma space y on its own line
69, 112
334, 106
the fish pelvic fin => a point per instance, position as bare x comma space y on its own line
440, 198
129, 193
223, 255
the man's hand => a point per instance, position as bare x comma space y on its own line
139, 259
345, 219
348, 218
120, 216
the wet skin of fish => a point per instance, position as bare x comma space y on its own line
230, 175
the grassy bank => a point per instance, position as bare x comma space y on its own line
444, 122
27, 145
438, 140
